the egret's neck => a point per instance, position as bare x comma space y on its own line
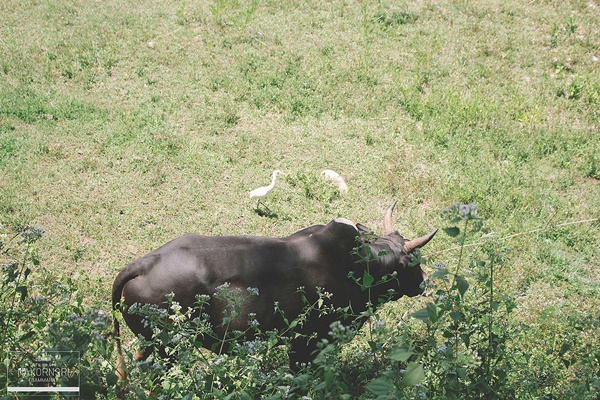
273, 181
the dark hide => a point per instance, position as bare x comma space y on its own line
318, 256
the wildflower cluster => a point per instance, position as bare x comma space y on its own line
461, 211
341, 332
31, 234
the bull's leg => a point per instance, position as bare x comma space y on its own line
137, 325
144, 352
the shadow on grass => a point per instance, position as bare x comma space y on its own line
266, 212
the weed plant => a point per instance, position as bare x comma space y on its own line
40, 314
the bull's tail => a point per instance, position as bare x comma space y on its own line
124, 276
120, 368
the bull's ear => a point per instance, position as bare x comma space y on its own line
363, 229
420, 242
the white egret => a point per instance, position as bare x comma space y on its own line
337, 180
264, 190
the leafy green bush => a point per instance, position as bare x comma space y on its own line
464, 343
39, 313
474, 347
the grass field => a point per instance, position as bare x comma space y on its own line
126, 124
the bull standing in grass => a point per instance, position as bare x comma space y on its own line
331, 258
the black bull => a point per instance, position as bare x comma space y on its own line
320, 256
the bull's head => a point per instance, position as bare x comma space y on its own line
403, 260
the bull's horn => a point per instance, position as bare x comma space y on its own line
387, 220
420, 242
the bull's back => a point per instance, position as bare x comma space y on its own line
195, 264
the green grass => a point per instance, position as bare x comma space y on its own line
126, 124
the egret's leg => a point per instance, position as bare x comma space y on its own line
264, 205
